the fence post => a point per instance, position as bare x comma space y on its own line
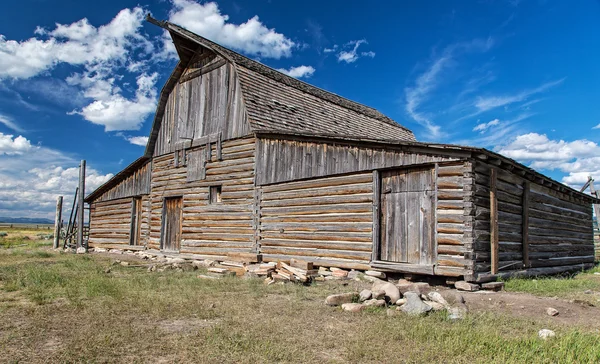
80, 204
57, 221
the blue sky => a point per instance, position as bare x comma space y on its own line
79, 80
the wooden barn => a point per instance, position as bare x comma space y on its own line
242, 158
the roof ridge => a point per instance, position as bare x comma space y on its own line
283, 78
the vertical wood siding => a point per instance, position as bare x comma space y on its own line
209, 229
454, 241
138, 183
325, 220
280, 160
205, 105
559, 230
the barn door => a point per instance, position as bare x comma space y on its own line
170, 238
406, 219
136, 221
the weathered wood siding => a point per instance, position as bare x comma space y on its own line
280, 160
110, 223
453, 219
137, 184
208, 104
209, 229
537, 227
325, 220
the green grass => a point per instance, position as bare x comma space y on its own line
570, 286
57, 307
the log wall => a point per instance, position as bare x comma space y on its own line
205, 105
110, 223
282, 160
537, 227
325, 220
209, 229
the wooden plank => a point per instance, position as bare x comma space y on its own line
494, 222
376, 214
525, 223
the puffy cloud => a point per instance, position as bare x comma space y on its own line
11, 146
79, 43
298, 72
31, 180
251, 37
596, 127
578, 158
114, 111
103, 52
138, 140
483, 127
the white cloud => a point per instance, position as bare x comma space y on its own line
103, 52
251, 37
79, 43
298, 72
138, 140
578, 158
483, 127
491, 102
352, 55
11, 146
503, 131
32, 178
331, 50
596, 127
9, 123
429, 80
111, 109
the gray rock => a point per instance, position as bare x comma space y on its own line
124, 264
99, 250
546, 334
376, 274
421, 288
493, 286
391, 291
458, 311
552, 311
588, 291
378, 294
466, 286
81, 250
376, 303
364, 295
438, 298
401, 301
436, 306
175, 260
414, 306
452, 297
339, 299
353, 307
151, 268
353, 274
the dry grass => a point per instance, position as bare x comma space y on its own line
57, 307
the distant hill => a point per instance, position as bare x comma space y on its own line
25, 220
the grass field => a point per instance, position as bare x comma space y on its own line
58, 307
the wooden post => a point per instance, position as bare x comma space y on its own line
80, 204
376, 214
595, 194
525, 232
57, 221
493, 221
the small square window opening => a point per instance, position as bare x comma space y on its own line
214, 194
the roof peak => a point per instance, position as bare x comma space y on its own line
271, 73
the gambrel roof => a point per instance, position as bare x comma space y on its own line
276, 102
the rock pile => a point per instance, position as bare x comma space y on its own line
415, 299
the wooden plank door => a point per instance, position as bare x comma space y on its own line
170, 239
407, 216
136, 221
